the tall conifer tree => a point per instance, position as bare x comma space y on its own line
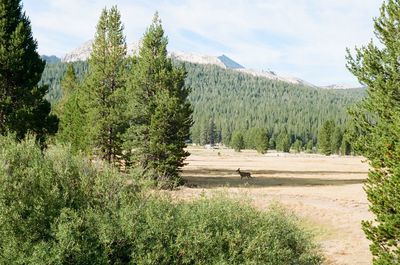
68, 87
325, 137
71, 112
336, 140
261, 141
103, 91
159, 112
377, 120
22, 104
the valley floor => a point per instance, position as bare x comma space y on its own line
326, 192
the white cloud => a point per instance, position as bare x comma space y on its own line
305, 37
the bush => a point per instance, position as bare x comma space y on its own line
218, 231
57, 208
237, 142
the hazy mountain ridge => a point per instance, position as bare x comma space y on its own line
50, 58
82, 53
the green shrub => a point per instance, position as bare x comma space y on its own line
237, 142
218, 231
57, 208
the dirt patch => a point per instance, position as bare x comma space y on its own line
326, 192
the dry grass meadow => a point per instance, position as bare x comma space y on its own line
325, 192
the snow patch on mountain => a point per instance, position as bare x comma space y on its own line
196, 58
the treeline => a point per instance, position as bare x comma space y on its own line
332, 139
227, 102
53, 74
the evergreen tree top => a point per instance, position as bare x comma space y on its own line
109, 41
154, 41
17, 45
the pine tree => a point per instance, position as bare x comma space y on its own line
271, 144
336, 140
72, 113
296, 146
212, 132
283, 142
68, 87
345, 147
159, 113
261, 141
377, 121
310, 146
103, 91
22, 104
325, 138
237, 142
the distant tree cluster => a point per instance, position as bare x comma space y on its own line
53, 74
229, 101
333, 139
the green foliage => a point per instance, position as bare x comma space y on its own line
239, 102
310, 146
336, 140
271, 144
103, 93
218, 231
54, 73
325, 137
377, 127
237, 142
158, 110
297, 146
283, 142
261, 141
222, 98
72, 122
207, 134
345, 147
68, 86
22, 107
57, 208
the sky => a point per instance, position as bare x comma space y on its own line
302, 38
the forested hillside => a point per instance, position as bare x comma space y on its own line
226, 101
235, 101
54, 72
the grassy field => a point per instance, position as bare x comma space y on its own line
326, 192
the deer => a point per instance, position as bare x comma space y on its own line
243, 174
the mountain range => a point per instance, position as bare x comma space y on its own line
82, 53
